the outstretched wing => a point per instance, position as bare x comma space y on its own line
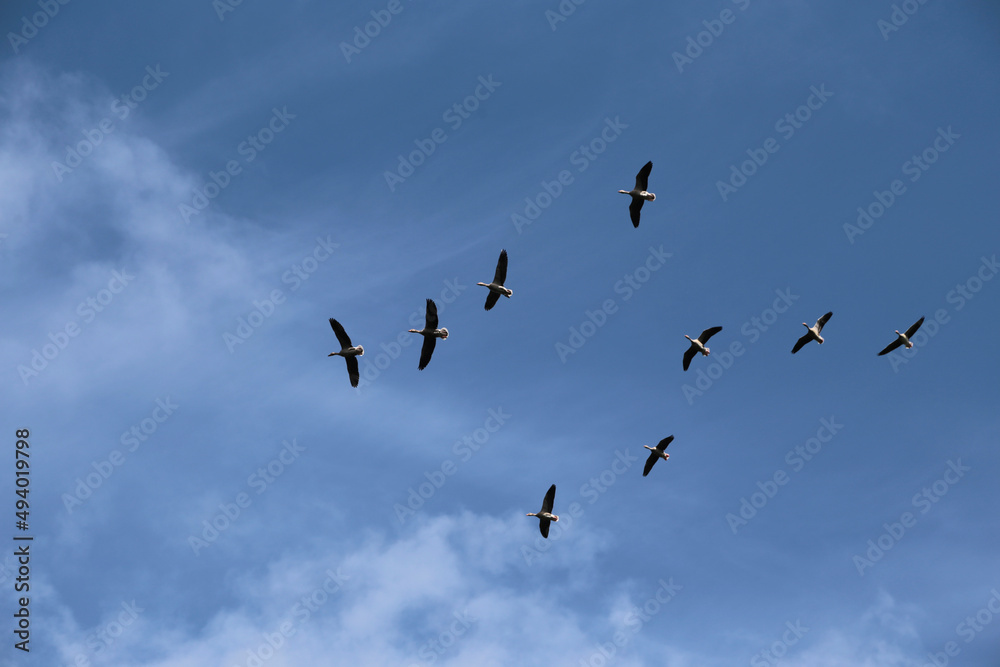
338, 329
890, 347
821, 322
432, 317
689, 355
642, 178
650, 462
352, 370
550, 497
663, 443
708, 333
426, 351
501, 274
491, 299
800, 342
543, 525
913, 329
634, 208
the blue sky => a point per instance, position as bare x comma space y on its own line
166, 334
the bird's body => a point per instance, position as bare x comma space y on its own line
496, 287
657, 453
431, 333
698, 345
545, 516
812, 332
349, 352
638, 193
903, 338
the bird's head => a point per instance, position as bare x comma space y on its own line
624, 192
332, 354
483, 284
806, 325
688, 337
415, 331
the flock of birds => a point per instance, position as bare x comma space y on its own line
431, 333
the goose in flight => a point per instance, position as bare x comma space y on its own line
545, 516
496, 287
638, 193
812, 332
657, 453
349, 352
431, 333
902, 338
698, 345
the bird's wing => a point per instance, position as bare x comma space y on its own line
491, 299
913, 329
650, 462
800, 342
890, 347
708, 333
352, 370
642, 178
550, 497
501, 274
426, 351
432, 315
634, 208
663, 443
689, 355
543, 525
345, 340
821, 322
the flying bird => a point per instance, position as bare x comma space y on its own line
431, 333
698, 345
349, 352
545, 516
812, 333
638, 193
496, 287
902, 338
657, 453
